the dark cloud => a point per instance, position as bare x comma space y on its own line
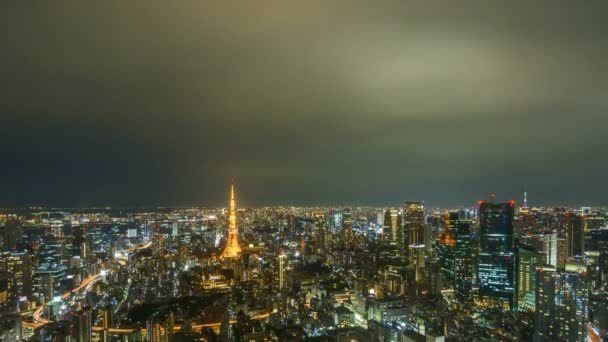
329, 102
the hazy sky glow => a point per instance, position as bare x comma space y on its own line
310, 102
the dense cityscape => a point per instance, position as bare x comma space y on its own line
317, 170
495, 270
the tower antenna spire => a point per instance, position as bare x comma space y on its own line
233, 249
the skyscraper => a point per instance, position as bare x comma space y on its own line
413, 233
82, 325
392, 236
596, 240
348, 227
11, 235
413, 221
527, 261
562, 252
320, 232
233, 249
391, 225
454, 248
496, 249
463, 256
282, 265
17, 265
550, 249
335, 220
572, 303
575, 234
544, 314
446, 245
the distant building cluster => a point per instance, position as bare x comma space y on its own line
492, 271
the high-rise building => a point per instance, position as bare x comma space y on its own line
446, 245
429, 239
527, 261
52, 251
379, 217
417, 260
392, 238
348, 227
463, 257
544, 315
336, 220
572, 303
413, 222
454, 249
562, 252
596, 270
496, 251
596, 240
82, 325
233, 249
282, 265
10, 327
11, 235
602, 276
17, 264
47, 280
320, 232
550, 248
412, 237
575, 234
78, 241
174, 229
393, 221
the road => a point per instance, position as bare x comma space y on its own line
196, 327
37, 315
39, 321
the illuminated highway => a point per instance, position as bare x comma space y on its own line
40, 321
195, 327
37, 315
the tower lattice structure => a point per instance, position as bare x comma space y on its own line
233, 249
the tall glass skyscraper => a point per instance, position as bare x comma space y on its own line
413, 231
454, 249
575, 234
527, 261
413, 220
496, 251
544, 314
572, 302
463, 257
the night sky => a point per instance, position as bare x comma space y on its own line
129, 103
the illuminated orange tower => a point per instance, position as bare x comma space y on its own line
233, 249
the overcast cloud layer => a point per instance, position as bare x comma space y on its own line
312, 102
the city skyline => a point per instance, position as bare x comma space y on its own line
315, 171
500, 264
489, 197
